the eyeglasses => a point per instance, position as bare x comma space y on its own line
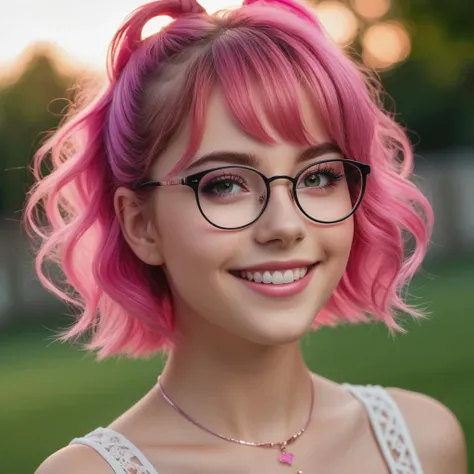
234, 197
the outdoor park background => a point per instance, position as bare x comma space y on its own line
424, 52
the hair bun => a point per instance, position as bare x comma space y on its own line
191, 6
298, 7
129, 36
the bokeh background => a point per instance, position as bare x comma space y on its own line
423, 51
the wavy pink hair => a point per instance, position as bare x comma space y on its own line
265, 51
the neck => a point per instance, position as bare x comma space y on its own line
253, 393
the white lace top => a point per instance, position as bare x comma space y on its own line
387, 422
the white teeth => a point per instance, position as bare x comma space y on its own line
267, 277
275, 277
289, 276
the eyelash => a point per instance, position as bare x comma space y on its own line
327, 171
223, 178
227, 177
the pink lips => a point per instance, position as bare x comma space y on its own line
282, 290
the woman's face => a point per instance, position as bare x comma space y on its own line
204, 264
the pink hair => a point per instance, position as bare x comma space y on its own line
268, 51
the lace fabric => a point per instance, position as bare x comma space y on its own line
389, 427
386, 419
122, 456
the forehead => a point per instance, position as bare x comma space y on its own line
221, 132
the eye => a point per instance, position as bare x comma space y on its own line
315, 180
224, 185
321, 177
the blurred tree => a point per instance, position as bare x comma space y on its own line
434, 88
28, 108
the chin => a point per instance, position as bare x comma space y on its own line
275, 339
278, 330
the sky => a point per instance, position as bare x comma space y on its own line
82, 28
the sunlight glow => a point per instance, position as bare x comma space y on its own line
78, 33
371, 9
338, 20
211, 7
385, 44
155, 25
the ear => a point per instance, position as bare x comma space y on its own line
137, 226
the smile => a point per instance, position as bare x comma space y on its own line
275, 277
282, 282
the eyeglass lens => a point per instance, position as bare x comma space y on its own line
326, 192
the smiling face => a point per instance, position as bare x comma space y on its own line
264, 283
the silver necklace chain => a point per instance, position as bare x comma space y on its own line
285, 457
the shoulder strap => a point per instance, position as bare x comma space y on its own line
389, 427
122, 455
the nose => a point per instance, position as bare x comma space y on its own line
282, 224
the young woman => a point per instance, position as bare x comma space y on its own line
236, 185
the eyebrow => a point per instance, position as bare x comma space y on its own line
251, 160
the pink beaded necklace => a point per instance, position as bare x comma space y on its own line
285, 457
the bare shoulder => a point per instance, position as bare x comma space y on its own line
75, 459
435, 431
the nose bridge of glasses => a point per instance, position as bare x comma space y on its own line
283, 178
276, 178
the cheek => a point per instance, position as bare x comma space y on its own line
192, 249
337, 242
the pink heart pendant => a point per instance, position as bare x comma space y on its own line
286, 458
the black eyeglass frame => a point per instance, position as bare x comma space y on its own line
194, 180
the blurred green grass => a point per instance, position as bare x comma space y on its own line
50, 393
